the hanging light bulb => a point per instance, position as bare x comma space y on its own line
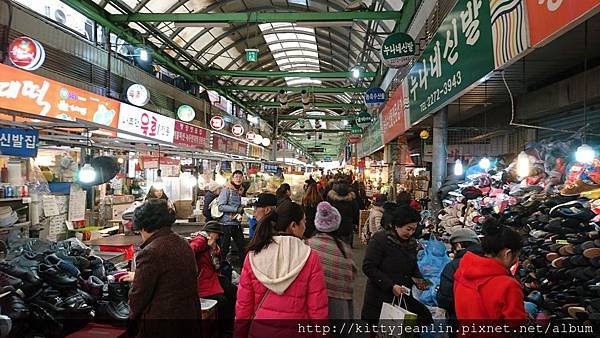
523, 168
585, 154
485, 163
201, 181
87, 174
158, 183
458, 168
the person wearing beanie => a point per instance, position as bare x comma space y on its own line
336, 260
230, 204
462, 240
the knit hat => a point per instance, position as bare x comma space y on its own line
464, 235
327, 219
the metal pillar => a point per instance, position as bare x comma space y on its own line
440, 156
108, 62
274, 138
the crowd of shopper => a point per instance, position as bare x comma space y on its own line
299, 267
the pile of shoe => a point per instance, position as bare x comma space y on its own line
54, 289
561, 258
8, 217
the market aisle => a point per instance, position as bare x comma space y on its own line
360, 283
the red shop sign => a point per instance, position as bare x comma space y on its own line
250, 136
191, 136
26, 53
217, 123
237, 130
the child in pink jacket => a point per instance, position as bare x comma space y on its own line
281, 279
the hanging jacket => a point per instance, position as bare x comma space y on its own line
374, 222
286, 279
208, 279
487, 291
344, 200
230, 201
208, 198
445, 295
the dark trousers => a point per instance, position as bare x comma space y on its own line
235, 232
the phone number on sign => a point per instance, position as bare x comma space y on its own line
448, 86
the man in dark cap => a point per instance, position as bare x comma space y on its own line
265, 203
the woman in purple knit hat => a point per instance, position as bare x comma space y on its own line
336, 261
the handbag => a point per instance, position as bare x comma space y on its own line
262, 299
395, 312
214, 209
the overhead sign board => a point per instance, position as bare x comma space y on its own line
397, 50
19, 142
186, 113
363, 119
29, 93
26, 53
375, 97
143, 122
191, 136
316, 150
217, 122
394, 116
138, 95
237, 130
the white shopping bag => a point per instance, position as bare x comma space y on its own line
395, 314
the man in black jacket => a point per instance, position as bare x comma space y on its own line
462, 240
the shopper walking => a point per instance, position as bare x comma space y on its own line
208, 260
391, 265
310, 200
281, 279
336, 260
462, 240
373, 223
484, 288
230, 204
344, 200
264, 204
405, 198
213, 191
163, 299
284, 193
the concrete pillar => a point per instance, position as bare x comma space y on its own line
440, 156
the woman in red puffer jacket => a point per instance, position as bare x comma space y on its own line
484, 288
281, 279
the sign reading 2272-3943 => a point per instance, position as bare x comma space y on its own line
460, 54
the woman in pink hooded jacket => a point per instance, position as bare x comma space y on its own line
281, 279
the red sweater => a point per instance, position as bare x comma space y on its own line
485, 290
208, 280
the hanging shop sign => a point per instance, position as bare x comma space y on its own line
19, 142
347, 153
254, 151
237, 130
217, 122
397, 50
29, 93
356, 130
142, 122
364, 119
186, 113
138, 95
549, 18
270, 168
26, 53
509, 29
228, 145
250, 136
169, 167
371, 141
375, 97
459, 55
327, 159
251, 54
353, 139
191, 136
394, 116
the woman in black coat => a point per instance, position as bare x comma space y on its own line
344, 200
391, 265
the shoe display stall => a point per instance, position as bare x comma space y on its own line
553, 201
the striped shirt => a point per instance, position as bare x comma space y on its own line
339, 271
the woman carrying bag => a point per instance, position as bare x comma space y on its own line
391, 265
281, 279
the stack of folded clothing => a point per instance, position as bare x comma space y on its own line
8, 217
53, 289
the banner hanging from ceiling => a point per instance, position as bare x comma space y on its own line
394, 116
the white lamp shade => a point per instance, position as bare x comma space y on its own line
87, 174
585, 154
523, 165
257, 139
266, 142
158, 183
485, 163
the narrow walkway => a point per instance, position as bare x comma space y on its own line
360, 283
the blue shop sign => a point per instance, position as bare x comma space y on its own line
270, 168
19, 142
375, 97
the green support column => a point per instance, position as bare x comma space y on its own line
271, 74
276, 89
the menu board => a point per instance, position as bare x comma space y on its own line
191, 136
229, 145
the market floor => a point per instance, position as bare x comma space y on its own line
360, 283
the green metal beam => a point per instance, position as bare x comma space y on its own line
314, 104
275, 89
316, 117
325, 131
270, 74
256, 17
